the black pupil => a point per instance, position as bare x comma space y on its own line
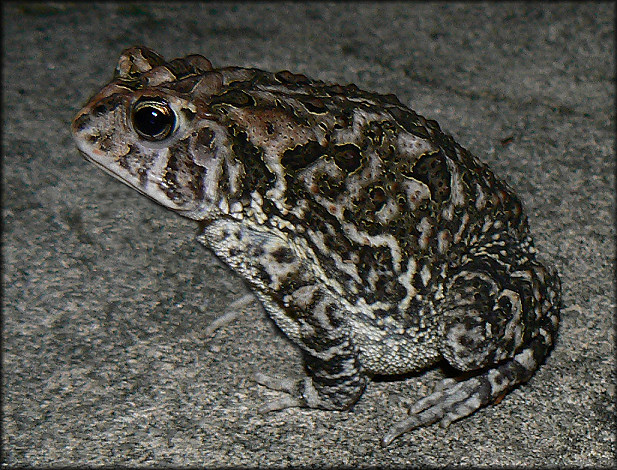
152, 121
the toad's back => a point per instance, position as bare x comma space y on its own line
375, 242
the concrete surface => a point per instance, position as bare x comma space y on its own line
106, 296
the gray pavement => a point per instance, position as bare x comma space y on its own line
107, 359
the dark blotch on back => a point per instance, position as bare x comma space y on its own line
283, 255
410, 122
288, 78
378, 197
432, 170
301, 156
347, 157
313, 104
235, 98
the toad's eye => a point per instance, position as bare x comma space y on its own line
153, 119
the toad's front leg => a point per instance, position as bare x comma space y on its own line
296, 299
335, 380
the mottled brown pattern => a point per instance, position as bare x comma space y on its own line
375, 242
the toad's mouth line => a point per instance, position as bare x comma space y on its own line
130, 184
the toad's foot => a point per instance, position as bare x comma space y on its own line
453, 400
306, 393
290, 386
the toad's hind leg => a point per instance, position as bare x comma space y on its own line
502, 325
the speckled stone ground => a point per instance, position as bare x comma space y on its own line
106, 296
